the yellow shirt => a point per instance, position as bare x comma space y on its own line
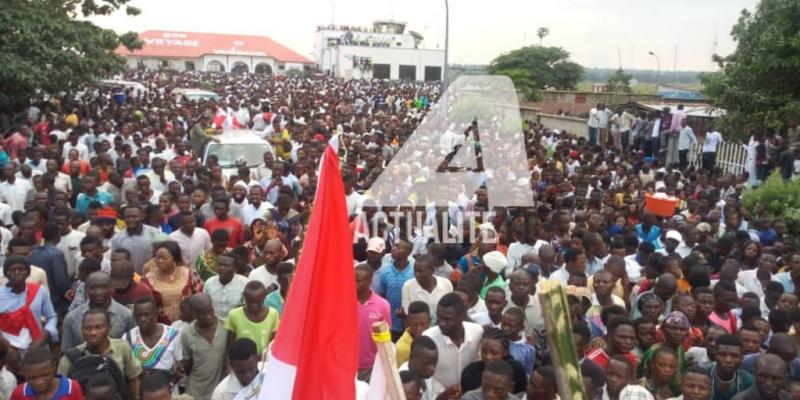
71, 120
403, 348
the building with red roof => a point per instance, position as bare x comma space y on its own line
213, 52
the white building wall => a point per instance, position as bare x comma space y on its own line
395, 57
178, 64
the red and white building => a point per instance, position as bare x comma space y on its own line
194, 51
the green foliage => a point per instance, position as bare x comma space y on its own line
534, 68
780, 199
45, 49
542, 32
620, 82
758, 84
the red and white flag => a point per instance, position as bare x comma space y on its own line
315, 353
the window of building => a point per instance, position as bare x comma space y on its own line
215, 66
381, 71
408, 72
433, 73
188, 65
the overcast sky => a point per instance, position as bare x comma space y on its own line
592, 30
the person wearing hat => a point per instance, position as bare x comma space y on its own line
126, 290
675, 328
672, 240
494, 262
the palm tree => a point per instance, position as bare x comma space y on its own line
541, 33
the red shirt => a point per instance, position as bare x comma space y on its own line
135, 292
232, 225
68, 389
13, 143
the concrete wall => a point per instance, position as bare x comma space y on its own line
178, 64
575, 126
577, 103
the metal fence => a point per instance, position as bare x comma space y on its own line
731, 157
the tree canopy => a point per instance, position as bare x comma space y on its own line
758, 84
619, 82
534, 68
47, 49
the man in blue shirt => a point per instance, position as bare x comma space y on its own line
49, 258
390, 279
90, 193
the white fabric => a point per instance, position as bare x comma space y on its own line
711, 141
452, 359
192, 247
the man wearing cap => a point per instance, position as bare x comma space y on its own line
192, 240
672, 241
126, 291
494, 262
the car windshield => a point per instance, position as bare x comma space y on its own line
230, 153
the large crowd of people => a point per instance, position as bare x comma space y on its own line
133, 268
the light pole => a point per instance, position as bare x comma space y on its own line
658, 72
446, 45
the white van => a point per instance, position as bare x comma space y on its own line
118, 83
238, 146
183, 94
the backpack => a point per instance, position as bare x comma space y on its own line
84, 366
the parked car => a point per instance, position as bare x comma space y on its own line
238, 147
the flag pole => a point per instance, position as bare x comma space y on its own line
383, 340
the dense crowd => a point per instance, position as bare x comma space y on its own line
135, 269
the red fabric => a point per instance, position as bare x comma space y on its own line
232, 225
84, 169
317, 335
601, 358
13, 322
13, 143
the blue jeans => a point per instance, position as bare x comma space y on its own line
593, 136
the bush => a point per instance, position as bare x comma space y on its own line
780, 200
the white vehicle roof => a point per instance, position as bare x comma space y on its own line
240, 136
123, 84
193, 92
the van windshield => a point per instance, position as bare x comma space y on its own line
229, 153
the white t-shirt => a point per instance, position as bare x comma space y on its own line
711, 142
169, 347
14, 194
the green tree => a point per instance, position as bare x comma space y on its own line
542, 32
758, 84
534, 68
48, 47
619, 82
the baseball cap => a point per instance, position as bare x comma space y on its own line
674, 235
376, 244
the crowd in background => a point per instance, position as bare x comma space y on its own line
120, 240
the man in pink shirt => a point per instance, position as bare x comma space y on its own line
674, 130
15, 142
371, 308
